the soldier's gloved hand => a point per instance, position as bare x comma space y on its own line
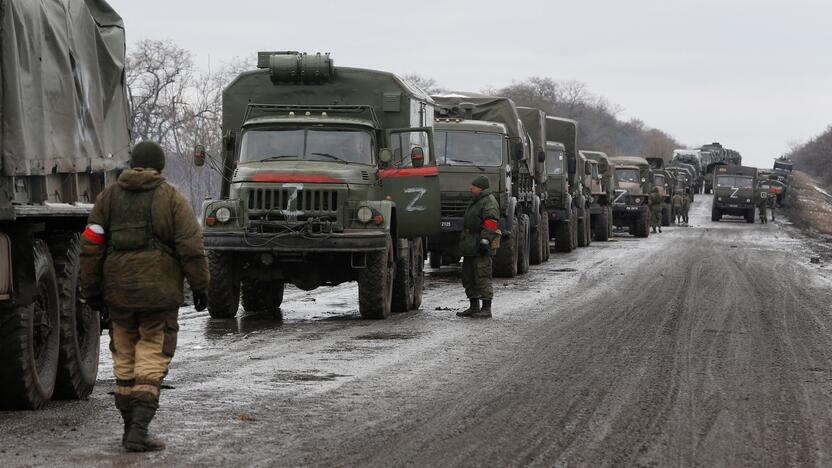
484, 246
200, 300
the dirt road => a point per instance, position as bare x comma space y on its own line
705, 345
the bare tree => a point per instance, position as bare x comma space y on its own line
426, 83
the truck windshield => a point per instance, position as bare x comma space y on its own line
627, 175
469, 148
348, 145
735, 182
554, 161
658, 180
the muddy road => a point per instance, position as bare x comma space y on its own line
705, 345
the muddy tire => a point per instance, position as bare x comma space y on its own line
523, 245
505, 261
601, 227
643, 225
375, 283
80, 329
716, 215
545, 237
30, 341
224, 287
435, 259
404, 282
262, 296
665, 215
749, 216
536, 255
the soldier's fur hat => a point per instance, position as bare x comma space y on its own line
149, 155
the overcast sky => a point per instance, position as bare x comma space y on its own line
755, 75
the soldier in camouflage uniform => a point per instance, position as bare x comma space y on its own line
676, 203
477, 246
762, 207
141, 241
656, 200
685, 208
772, 203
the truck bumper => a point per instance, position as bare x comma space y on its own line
733, 209
346, 242
628, 212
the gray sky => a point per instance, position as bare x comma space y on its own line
754, 75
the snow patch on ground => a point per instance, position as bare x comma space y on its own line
822, 191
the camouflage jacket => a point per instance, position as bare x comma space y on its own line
480, 222
150, 278
656, 200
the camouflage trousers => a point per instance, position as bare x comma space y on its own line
142, 344
655, 217
476, 277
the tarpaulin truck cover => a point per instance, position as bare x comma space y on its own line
63, 102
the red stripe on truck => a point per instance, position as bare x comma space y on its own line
409, 171
297, 178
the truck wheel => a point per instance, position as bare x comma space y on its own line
30, 341
545, 237
563, 237
224, 287
665, 215
523, 245
505, 261
601, 228
536, 256
749, 216
435, 259
573, 225
418, 269
375, 284
262, 296
403, 281
715, 214
643, 225
80, 326
582, 230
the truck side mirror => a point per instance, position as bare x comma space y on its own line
417, 156
199, 155
384, 157
541, 157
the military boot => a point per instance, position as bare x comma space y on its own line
471, 310
125, 407
137, 438
485, 311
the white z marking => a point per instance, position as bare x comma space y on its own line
289, 212
734, 192
420, 192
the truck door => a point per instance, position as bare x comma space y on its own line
411, 181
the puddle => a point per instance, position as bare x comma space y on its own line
311, 376
386, 336
562, 270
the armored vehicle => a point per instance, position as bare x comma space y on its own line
484, 135
630, 205
329, 176
602, 186
64, 132
665, 181
569, 195
734, 192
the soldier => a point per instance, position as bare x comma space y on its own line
772, 203
762, 207
141, 240
477, 244
676, 203
685, 208
656, 200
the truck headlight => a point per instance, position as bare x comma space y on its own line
637, 200
364, 214
223, 215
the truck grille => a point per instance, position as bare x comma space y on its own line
453, 207
305, 202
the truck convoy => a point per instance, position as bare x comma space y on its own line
734, 192
630, 205
63, 132
329, 176
602, 186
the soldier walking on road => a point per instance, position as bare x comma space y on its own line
685, 208
676, 203
141, 240
477, 242
772, 203
656, 200
762, 207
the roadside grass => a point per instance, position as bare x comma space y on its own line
809, 204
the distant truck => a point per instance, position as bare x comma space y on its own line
693, 159
484, 135
631, 205
64, 131
602, 187
569, 194
783, 164
734, 192
330, 176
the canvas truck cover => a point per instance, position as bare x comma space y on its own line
487, 108
63, 102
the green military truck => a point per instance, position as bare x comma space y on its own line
631, 205
535, 122
734, 192
687, 172
329, 177
484, 135
602, 186
568, 200
64, 131
666, 182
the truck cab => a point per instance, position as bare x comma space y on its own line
601, 184
633, 183
735, 190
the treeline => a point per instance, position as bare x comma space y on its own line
815, 157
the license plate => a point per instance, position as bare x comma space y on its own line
632, 208
445, 224
733, 205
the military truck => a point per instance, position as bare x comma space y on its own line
691, 184
602, 186
715, 155
329, 176
473, 126
665, 181
569, 195
535, 123
783, 164
692, 158
631, 205
63, 133
734, 192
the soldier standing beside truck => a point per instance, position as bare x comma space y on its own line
478, 242
656, 202
685, 208
677, 208
142, 239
